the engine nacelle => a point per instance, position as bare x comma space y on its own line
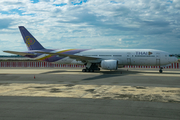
109, 64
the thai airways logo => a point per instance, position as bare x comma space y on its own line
143, 53
29, 41
149, 53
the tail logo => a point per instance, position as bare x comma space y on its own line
29, 41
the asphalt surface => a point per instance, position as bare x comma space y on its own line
42, 108
18, 103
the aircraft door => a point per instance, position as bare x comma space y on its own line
120, 61
158, 59
128, 58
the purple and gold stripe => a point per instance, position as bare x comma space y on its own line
53, 58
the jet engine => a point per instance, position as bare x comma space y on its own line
109, 64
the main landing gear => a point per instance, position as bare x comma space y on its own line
87, 70
91, 68
160, 71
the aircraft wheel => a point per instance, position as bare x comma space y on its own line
160, 71
83, 70
91, 70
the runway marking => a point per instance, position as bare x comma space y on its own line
137, 93
103, 72
162, 75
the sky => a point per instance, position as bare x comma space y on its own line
92, 24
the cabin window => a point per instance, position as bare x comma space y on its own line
90, 55
117, 55
165, 55
104, 55
144, 55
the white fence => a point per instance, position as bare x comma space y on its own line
46, 64
35, 64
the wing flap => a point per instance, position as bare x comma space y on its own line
18, 53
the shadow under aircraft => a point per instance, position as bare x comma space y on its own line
109, 74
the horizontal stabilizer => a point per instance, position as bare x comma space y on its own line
18, 53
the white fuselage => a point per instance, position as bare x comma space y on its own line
148, 57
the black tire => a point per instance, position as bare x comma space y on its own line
91, 70
160, 71
83, 70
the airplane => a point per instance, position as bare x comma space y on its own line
93, 59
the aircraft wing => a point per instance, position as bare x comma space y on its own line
77, 57
18, 53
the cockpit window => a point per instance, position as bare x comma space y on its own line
171, 55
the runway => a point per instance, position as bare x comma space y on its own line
71, 94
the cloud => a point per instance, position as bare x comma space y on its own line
5, 23
93, 23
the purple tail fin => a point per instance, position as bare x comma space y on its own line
31, 42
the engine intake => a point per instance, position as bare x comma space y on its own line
109, 64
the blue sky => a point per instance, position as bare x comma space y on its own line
114, 24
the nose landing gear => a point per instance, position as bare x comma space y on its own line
160, 71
